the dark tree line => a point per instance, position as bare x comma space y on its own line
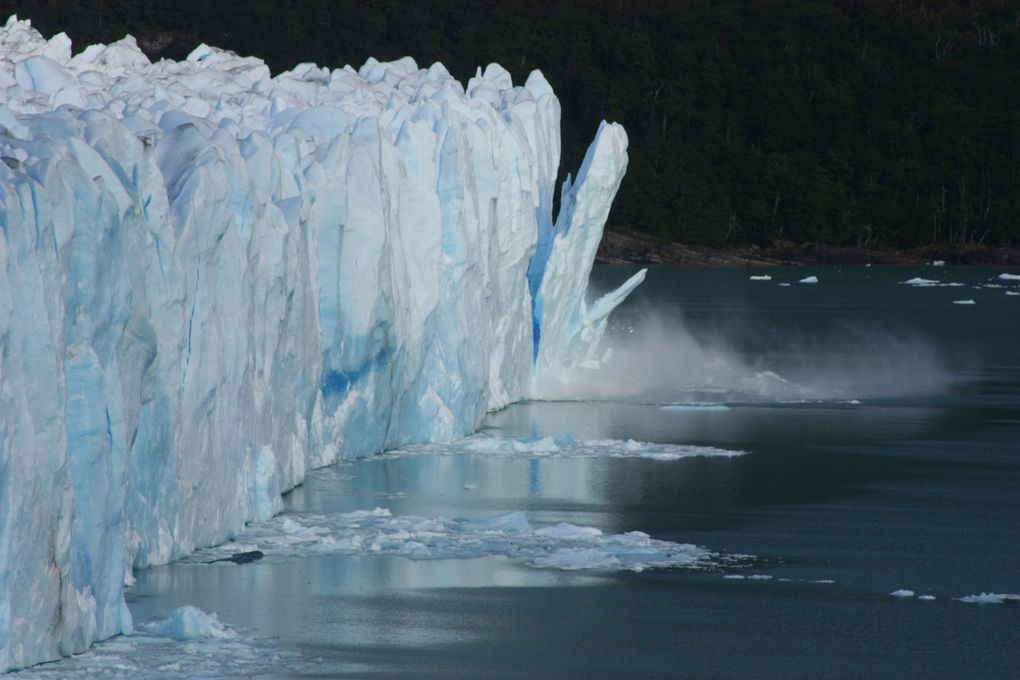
847, 122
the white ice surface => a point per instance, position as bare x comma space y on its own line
762, 277
564, 446
1009, 277
902, 593
212, 280
964, 302
378, 532
809, 279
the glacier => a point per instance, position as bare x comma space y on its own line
213, 279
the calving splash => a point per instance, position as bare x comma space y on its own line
212, 280
656, 357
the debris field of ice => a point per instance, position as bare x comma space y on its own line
214, 650
212, 280
564, 446
378, 532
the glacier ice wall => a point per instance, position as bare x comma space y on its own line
212, 279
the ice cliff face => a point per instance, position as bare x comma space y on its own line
212, 280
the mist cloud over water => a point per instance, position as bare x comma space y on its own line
654, 357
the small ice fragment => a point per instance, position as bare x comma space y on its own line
1012, 292
763, 277
902, 593
926, 598
938, 263
809, 279
918, 281
760, 577
963, 302
822, 580
734, 577
1009, 277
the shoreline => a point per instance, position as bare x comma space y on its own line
632, 247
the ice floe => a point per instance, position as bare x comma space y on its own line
565, 446
902, 592
991, 598
379, 532
919, 282
964, 302
763, 277
809, 279
1009, 277
694, 407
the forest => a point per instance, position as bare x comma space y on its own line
864, 123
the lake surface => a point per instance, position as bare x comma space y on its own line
880, 427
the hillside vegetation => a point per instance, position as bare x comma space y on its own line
888, 123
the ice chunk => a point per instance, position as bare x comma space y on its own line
902, 593
918, 281
809, 279
762, 277
1009, 277
188, 623
963, 302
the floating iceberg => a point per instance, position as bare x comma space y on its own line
212, 280
809, 279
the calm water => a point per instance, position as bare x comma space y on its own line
887, 457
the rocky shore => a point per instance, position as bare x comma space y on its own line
631, 247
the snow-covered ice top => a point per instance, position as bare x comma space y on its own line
212, 279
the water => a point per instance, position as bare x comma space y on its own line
882, 429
